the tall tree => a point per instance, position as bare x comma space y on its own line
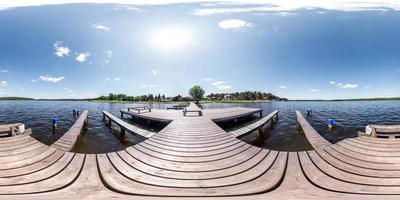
196, 92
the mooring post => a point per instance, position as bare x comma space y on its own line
109, 122
104, 117
373, 133
261, 130
122, 131
261, 114
122, 114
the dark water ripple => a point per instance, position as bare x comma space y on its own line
349, 118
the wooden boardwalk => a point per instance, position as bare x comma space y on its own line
193, 157
125, 126
68, 140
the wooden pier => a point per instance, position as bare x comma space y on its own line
193, 157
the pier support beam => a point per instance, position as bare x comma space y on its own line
122, 131
109, 123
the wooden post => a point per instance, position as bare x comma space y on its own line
261, 130
104, 117
12, 130
122, 115
122, 131
109, 122
261, 114
373, 134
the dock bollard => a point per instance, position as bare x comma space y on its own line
330, 123
74, 112
55, 122
309, 112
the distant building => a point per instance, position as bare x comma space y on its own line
227, 97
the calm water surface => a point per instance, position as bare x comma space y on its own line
349, 118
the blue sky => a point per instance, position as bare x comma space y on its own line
300, 51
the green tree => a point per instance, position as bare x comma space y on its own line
196, 92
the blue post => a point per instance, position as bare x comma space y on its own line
309, 112
55, 122
330, 123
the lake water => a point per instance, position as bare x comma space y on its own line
349, 118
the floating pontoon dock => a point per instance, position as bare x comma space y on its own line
193, 157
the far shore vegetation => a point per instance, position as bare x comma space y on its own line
196, 93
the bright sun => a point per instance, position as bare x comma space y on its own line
171, 38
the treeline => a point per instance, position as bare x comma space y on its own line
15, 98
124, 97
244, 96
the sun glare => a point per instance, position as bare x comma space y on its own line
171, 38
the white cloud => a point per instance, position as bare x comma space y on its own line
3, 83
349, 86
68, 90
101, 27
346, 86
313, 90
4, 71
221, 85
154, 72
282, 86
208, 79
149, 86
224, 87
116, 79
34, 80
47, 78
218, 83
82, 57
234, 24
61, 51
229, 6
284, 14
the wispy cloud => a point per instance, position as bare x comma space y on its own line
208, 79
116, 79
3, 83
47, 78
61, 51
313, 90
68, 90
82, 57
154, 72
4, 71
283, 86
284, 14
234, 24
221, 85
149, 86
101, 27
232, 5
349, 86
345, 86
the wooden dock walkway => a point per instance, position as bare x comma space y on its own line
259, 124
125, 126
193, 157
68, 140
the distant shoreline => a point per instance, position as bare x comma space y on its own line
182, 102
